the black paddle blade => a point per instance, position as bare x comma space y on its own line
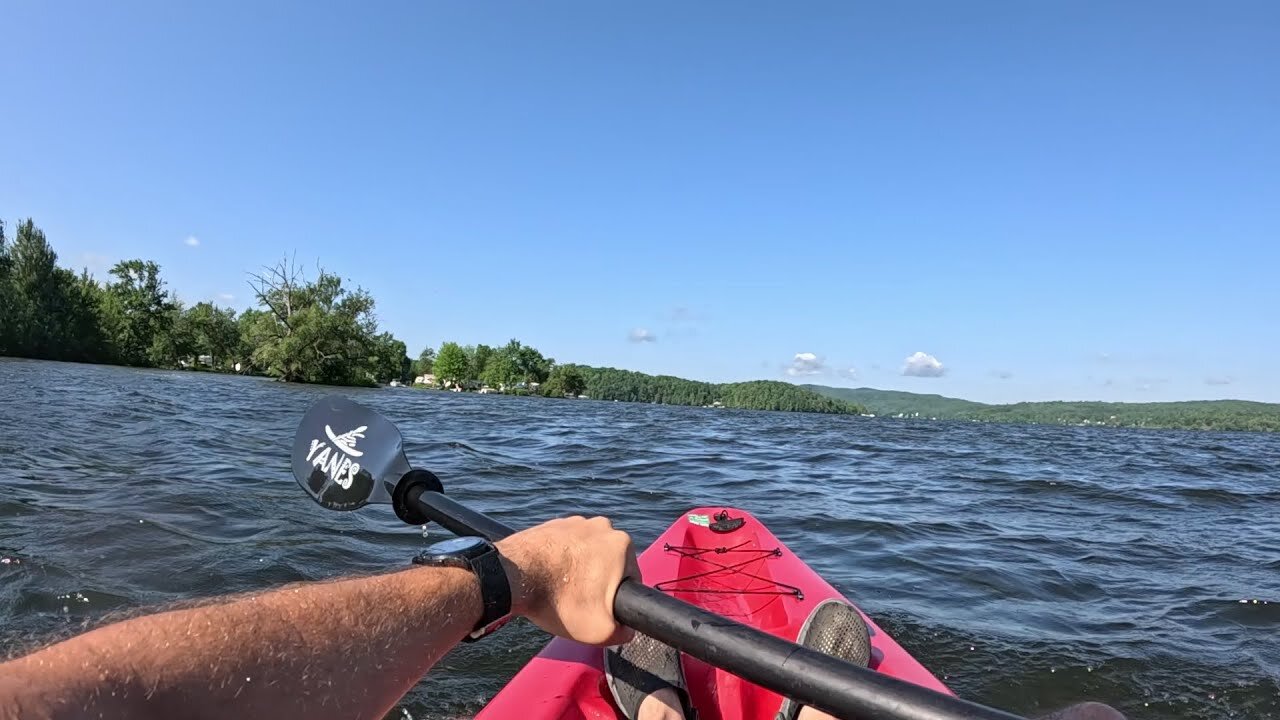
346, 455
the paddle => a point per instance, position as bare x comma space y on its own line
346, 456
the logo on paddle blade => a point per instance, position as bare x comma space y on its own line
335, 461
346, 442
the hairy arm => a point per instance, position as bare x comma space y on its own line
344, 649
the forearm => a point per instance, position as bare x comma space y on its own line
344, 649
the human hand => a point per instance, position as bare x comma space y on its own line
564, 574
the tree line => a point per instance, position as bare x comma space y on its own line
303, 329
630, 386
520, 369
513, 368
1187, 415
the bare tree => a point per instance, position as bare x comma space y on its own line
279, 288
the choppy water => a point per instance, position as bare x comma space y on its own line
1028, 566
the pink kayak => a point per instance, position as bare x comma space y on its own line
727, 562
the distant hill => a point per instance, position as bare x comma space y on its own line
604, 383
1190, 415
892, 402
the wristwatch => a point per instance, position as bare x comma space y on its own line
480, 557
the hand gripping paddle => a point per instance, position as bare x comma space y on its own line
346, 456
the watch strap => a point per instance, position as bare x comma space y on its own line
495, 589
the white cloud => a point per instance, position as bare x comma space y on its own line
848, 373
641, 335
1219, 380
192, 241
923, 365
806, 363
226, 297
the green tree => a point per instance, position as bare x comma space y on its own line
479, 357
564, 380
87, 341
426, 360
501, 371
7, 300
245, 328
174, 342
531, 366
33, 278
312, 331
452, 364
215, 332
390, 359
49, 312
139, 313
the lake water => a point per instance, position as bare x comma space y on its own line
1027, 566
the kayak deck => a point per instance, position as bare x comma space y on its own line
743, 573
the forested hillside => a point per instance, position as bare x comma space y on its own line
1190, 415
629, 386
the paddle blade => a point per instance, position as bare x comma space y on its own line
346, 455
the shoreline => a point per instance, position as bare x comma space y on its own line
871, 415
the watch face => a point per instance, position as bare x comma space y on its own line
458, 546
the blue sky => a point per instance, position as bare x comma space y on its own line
1074, 200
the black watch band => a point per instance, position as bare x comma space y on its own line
482, 559
495, 591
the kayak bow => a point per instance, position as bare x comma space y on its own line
727, 594
724, 561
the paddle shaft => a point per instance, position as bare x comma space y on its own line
812, 678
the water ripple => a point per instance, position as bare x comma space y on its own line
1028, 566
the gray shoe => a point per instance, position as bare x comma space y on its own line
833, 628
642, 667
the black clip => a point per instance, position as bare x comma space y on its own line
726, 524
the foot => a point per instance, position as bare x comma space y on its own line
647, 680
663, 704
837, 629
